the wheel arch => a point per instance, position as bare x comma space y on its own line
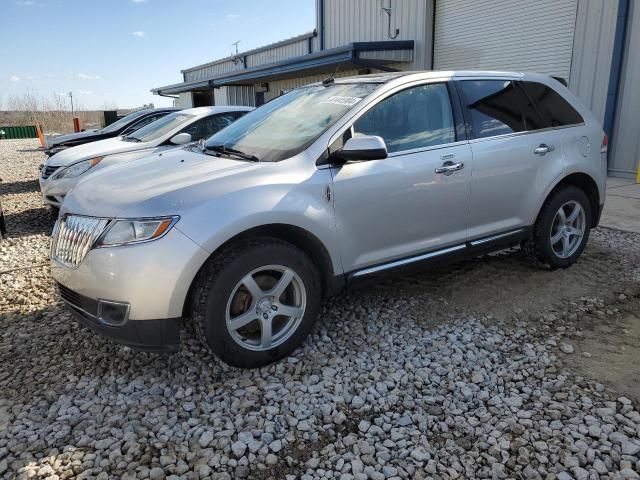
306, 241
584, 182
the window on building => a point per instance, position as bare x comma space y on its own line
417, 117
558, 111
499, 107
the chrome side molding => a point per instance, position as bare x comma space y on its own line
406, 261
436, 253
495, 237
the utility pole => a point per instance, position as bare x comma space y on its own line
71, 97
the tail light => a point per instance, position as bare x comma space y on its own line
605, 144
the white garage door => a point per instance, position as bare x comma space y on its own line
522, 35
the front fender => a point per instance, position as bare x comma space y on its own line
303, 205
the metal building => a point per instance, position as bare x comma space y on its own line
592, 44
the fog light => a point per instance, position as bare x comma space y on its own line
114, 314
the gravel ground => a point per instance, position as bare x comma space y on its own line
472, 371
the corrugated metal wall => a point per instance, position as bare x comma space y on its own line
184, 100
276, 54
365, 21
534, 35
235, 95
281, 51
242, 95
208, 71
592, 52
625, 146
277, 87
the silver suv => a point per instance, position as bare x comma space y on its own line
325, 186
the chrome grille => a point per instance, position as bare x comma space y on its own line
74, 236
47, 171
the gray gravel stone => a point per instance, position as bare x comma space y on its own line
403, 380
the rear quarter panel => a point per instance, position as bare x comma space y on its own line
580, 144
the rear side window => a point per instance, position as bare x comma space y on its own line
417, 117
499, 107
557, 110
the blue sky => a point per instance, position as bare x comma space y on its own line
112, 52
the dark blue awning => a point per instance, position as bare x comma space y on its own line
376, 55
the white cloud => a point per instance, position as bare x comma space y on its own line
26, 3
139, 1
85, 92
88, 76
30, 77
139, 34
15, 78
232, 15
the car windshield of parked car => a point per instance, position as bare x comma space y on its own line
289, 124
160, 127
123, 122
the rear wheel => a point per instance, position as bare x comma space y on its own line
563, 227
256, 301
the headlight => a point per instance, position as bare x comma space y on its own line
77, 169
122, 232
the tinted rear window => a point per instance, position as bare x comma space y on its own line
557, 110
498, 107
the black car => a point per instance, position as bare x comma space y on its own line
123, 126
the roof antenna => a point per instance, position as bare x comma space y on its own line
331, 78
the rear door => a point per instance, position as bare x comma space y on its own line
515, 156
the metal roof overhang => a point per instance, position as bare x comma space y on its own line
358, 54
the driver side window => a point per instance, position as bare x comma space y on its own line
417, 117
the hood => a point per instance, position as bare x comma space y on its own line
163, 184
94, 149
57, 141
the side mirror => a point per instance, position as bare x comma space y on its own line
181, 139
361, 148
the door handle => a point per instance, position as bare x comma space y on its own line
449, 167
543, 149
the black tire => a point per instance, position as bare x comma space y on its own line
217, 281
541, 246
54, 212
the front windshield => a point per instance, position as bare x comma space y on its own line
160, 127
123, 122
288, 124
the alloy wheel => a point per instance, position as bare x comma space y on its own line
567, 229
266, 307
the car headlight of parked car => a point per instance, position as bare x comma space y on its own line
128, 231
77, 169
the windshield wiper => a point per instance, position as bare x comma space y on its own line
128, 138
231, 152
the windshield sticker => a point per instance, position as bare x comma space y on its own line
346, 101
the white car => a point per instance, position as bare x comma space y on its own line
64, 169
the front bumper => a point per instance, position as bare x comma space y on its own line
54, 191
152, 277
149, 335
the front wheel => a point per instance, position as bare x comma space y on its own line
256, 301
562, 229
